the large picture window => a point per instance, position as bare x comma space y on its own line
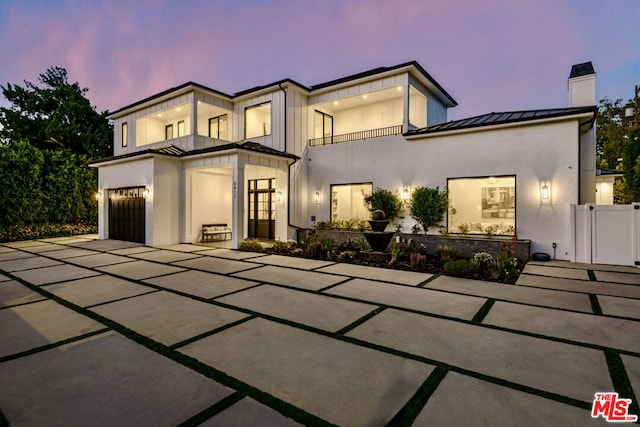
257, 120
347, 201
482, 205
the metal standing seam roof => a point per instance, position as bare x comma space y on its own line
492, 119
173, 151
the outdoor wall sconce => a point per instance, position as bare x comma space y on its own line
99, 196
545, 191
146, 193
406, 193
316, 197
279, 196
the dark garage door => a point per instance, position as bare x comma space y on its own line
126, 214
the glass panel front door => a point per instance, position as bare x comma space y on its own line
262, 209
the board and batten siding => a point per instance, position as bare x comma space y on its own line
276, 98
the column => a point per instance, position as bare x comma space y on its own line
194, 116
238, 196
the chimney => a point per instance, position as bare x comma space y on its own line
582, 85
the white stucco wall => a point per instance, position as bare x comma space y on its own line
533, 153
165, 201
126, 174
210, 200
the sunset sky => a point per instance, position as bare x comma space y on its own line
490, 55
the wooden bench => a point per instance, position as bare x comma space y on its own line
211, 232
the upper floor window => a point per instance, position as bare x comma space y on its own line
168, 132
124, 134
180, 128
257, 120
218, 127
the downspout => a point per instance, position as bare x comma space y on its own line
289, 167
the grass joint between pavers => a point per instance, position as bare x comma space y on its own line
620, 380
407, 415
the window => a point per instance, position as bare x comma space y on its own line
257, 120
218, 127
180, 128
482, 205
168, 132
347, 201
124, 134
323, 126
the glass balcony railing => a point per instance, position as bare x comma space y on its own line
356, 136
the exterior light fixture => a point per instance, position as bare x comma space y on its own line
146, 193
279, 196
316, 197
406, 193
99, 196
545, 191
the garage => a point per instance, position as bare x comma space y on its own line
127, 214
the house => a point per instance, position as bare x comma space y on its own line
269, 160
605, 183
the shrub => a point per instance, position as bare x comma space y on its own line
482, 260
418, 261
251, 245
384, 200
428, 206
281, 247
446, 253
340, 224
41, 231
459, 268
464, 229
347, 256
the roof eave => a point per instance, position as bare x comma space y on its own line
412, 67
165, 95
587, 116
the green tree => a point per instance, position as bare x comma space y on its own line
631, 166
611, 129
384, 200
428, 206
55, 114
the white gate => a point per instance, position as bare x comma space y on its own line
606, 234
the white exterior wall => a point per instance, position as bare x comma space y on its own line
604, 189
532, 153
211, 199
165, 202
136, 173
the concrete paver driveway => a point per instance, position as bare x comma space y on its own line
115, 333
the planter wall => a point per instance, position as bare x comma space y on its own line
465, 246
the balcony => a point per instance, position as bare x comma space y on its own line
356, 136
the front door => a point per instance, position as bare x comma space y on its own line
262, 209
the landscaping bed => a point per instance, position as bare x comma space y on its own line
500, 265
41, 231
